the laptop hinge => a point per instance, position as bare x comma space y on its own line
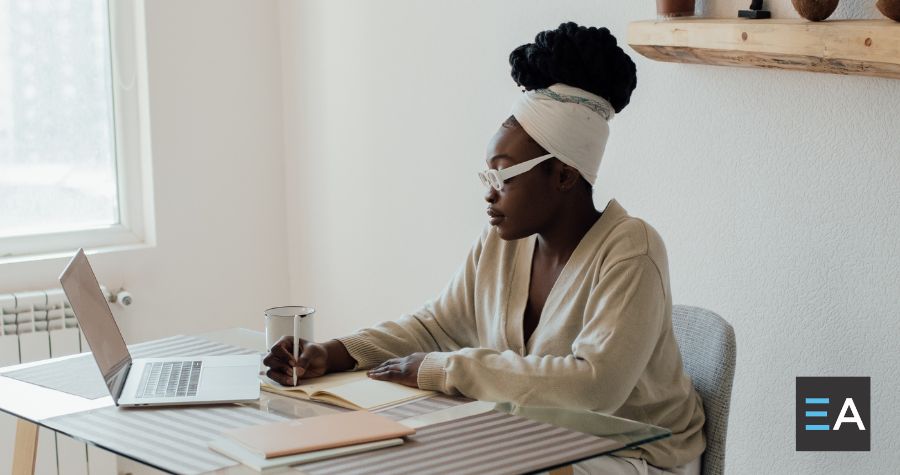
121, 378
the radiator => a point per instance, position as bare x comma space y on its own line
34, 326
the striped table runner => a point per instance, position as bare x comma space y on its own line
81, 377
421, 406
170, 439
493, 442
174, 440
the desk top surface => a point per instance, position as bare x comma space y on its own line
496, 433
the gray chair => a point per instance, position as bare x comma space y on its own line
708, 352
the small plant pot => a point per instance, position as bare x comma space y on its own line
674, 8
889, 8
815, 10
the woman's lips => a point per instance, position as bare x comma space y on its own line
494, 216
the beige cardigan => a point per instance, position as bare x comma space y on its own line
604, 341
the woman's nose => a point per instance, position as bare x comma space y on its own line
491, 195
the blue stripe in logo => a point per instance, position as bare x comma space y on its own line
817, 400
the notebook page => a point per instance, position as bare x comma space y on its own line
373, 394
322, 383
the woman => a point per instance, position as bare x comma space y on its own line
557, 304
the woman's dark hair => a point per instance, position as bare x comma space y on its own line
586, 58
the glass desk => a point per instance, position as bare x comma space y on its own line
454, 435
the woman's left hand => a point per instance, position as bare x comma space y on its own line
404, 370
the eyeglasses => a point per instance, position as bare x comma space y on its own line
495, 178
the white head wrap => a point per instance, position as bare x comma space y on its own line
568, 122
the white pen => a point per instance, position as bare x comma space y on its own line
296, 344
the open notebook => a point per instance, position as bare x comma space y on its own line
352, 390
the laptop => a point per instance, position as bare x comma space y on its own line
151, 381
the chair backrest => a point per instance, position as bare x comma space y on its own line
708, 352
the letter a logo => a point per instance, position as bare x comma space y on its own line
842, 418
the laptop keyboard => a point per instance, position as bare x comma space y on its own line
170, 379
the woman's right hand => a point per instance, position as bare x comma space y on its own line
312, 361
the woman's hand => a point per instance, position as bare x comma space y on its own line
312, 361
404, 370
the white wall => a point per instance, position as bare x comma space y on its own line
774, 191
215, 98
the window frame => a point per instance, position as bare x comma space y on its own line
136, 227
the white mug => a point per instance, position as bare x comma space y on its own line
280, 323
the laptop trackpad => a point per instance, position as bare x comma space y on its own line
224, 377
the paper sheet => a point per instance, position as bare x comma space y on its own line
354, 387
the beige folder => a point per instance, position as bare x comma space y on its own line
317, 433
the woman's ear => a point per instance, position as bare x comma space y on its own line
568, 177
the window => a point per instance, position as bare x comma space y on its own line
73, 128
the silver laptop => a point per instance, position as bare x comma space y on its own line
151, 381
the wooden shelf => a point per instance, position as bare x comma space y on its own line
867, 47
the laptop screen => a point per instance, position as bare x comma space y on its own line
96, 322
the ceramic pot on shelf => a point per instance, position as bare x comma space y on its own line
889, 8
674, 8
815, 10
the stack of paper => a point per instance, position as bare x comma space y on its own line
279, 444
257, 462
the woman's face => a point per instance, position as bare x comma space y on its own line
527, 202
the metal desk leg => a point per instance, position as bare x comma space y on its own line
25, 452
567, 470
